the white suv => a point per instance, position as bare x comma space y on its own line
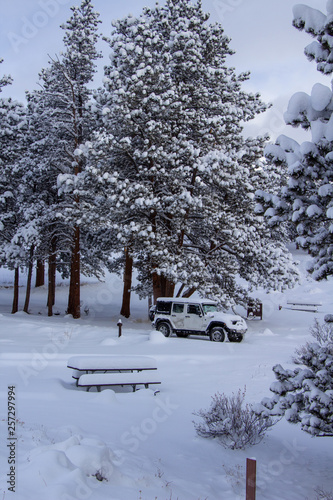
197, 317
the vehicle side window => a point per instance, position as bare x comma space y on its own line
178, 308
193, 309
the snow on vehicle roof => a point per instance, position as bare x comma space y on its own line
184, 300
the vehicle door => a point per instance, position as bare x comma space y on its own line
194, 318
178, 316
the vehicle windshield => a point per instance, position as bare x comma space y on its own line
209, 308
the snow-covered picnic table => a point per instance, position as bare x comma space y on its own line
99, 370
299, 305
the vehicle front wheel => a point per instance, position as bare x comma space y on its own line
217, 334
164, 328
235, 337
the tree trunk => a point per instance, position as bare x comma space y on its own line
28, 290
126, 305
162, 287
74, 286
16, 291
181, 288
157, 291
190, 291
40, 273
51, 277
169, 288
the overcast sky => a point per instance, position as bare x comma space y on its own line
261, 33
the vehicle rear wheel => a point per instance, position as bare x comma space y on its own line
217, 334
164, 328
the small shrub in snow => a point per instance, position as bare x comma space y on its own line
235, 425
323, 494
328, 318
305, 395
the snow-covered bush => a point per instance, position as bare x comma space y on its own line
323, 494
305, 395
234, 425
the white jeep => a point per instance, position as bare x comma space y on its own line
197, 317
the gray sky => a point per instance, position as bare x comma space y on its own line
261, 33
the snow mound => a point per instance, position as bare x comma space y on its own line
47, 468
55, 464
106, 396
268, 333
92, 458
156, 337
108, 342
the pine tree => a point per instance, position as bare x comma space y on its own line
13, 126
78, 71
304, 395
305, 201
183, 177
61, 106
42, 169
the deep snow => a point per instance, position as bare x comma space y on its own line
143, 445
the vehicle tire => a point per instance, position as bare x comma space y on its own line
182, 335
217, 334
164, 328
235, 337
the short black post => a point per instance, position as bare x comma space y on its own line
119, 325
251, 471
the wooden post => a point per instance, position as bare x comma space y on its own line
251, 470
119, 325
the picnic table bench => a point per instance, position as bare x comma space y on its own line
99, 380
99, 371
299, 305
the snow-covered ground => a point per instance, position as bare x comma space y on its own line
144, 444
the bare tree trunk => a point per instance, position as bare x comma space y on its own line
40, 273
28, 290
157, 291
51, 277
126, 305
169, 288
181, 288
16, 291
74, 286
189, 292
162, 287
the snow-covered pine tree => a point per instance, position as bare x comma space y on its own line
306, 200
5, 79
183, 176
13, 126
41, 203
79, 64
304, 395
62, 100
